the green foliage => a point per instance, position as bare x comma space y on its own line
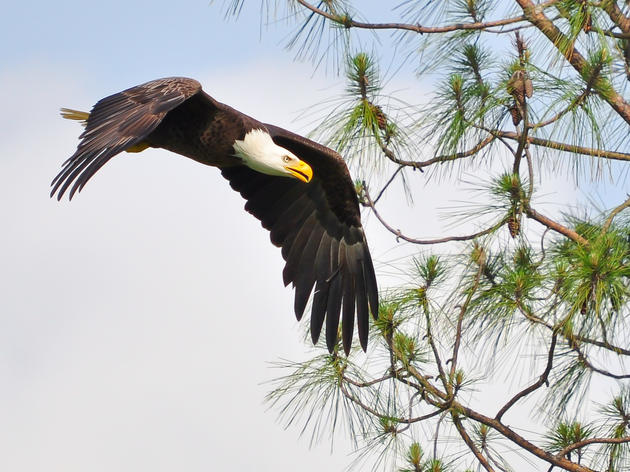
359, 127
617, 425
455, 98
593, 282
473, 62
312, 392
430, 269
414, 457
415, 462
475, 10
565, 434
406, 348
391, 316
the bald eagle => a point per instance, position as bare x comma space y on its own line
300, 190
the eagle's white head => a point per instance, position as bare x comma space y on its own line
259, 152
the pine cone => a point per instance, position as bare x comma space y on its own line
514, 226
520, 86
529, 87
516, 115
381, 119
515, 86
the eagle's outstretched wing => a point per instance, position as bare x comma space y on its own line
119, 122
318, 226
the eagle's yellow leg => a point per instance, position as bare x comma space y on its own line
137, 147
70, 114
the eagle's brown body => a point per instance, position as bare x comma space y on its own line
191, 130
317, 224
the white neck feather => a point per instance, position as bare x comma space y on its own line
259, 152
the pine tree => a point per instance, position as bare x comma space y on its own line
522, 91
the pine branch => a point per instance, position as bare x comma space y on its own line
469, 442
586, 442
584, 360
476, 26
613, 155
521, 441
553, 225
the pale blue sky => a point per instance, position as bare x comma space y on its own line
117, 321
138, 321
119, 39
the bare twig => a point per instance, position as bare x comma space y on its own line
436, 436
543, 252
388, 183
400, 235
436, 355
533, 387
369, 383
530, 175
584, 360
437, 159
411, 399
380, 415
614, 213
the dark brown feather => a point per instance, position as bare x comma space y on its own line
305, 279
318, 313
333, 309
118, 122
310, 230
347, 318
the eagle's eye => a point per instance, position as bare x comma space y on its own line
286, 159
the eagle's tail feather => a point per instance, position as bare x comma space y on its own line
70, 114
82, 116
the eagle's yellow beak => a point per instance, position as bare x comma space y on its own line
301, 170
